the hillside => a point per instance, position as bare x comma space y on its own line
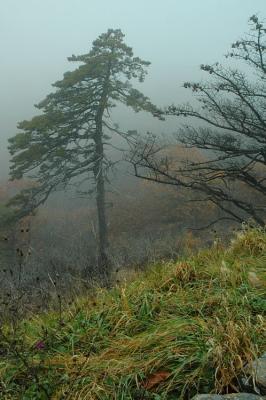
178, 329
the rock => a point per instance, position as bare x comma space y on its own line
254, 378
259, 369
234, 396
254, 381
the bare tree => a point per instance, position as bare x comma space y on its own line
229, 127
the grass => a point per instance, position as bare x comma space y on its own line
178, 329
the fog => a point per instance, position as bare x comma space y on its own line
36, 37
132, 244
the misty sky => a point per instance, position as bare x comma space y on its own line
36, 37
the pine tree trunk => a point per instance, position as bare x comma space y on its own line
100, 201
103, 262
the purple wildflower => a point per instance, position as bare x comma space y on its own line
40, 345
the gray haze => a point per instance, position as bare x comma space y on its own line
36, 37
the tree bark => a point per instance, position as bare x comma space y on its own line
103, 263
100, 202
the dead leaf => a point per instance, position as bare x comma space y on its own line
155, 379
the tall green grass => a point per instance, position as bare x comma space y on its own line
178, 329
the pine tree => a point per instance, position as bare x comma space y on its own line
67, 142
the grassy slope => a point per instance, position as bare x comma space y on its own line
175, 330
